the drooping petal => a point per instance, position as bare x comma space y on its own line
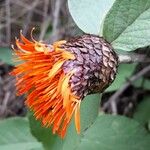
40, 74
77, 118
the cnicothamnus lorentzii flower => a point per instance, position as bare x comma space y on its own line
57, 77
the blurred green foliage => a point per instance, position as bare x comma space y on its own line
89, 15
126, 26
142, 113
6, 55
53, 142
15, 135
124, 72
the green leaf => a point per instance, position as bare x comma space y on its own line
142, 113
89, 112
88, 14
15, 135
149, 125
6, 55
146, 84
142, 83
127, 24
138, 83
44, 135
124, 72
114, 133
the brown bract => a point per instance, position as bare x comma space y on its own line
57, 77
96, 64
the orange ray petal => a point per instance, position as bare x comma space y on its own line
58, 121
27, 47
65, 90
77, 118
56, 68
25, 40
42, 75
66, 96
67, 55
58, 43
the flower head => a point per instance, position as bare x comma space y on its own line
57, 77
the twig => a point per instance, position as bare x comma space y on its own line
56, 20
132, 58
8, 22
23, 12
30, 6
44, 27
115, 97
27, 22
5, 102
46, 20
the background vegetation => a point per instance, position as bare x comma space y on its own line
124, 23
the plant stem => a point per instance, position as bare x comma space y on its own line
115, 97
132, 58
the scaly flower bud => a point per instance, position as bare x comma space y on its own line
57, 77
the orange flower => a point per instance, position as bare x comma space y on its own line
57, 77
41, 73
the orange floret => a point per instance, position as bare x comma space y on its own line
40, 75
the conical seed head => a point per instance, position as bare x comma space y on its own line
95, 64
